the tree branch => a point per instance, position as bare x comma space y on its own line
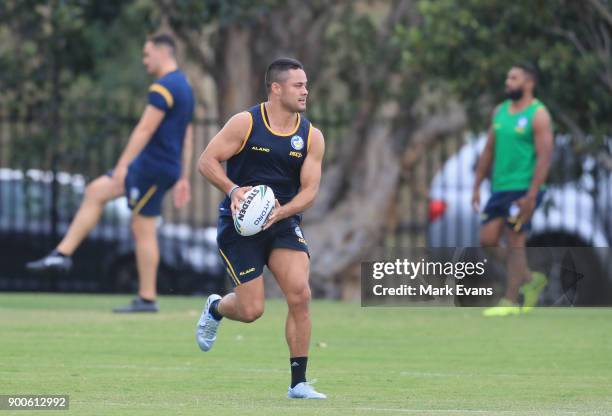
189, 39
603, 11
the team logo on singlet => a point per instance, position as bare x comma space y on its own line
297, 142
521, 124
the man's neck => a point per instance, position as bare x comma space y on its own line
166, 69
521, 104
279, 118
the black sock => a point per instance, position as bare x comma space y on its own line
214, 311
146, 300
298, 370
57, 253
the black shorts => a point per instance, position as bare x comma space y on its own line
245, 257
499, 205
145, 190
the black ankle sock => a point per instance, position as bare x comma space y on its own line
298, 370
57, 253
146, 300
214, 311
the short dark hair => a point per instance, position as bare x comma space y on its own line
277, 68
529, 69
163, 39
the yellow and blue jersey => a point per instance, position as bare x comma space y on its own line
171, 94
269, 158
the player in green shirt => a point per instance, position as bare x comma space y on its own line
519, 148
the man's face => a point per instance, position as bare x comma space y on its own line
293, 91
517, 83
151, 57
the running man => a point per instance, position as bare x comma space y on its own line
156, 158
270, 144
519, 146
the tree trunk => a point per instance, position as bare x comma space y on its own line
350, 217
348, 232
236, 86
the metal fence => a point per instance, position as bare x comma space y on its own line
434, 210
43, 173
575, 208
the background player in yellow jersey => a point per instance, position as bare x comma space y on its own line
519, 148
270, 144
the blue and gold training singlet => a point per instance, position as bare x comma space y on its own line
269, 158
163, 153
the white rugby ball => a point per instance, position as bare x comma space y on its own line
254, 211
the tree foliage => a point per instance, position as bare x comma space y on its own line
60, 61
470, 45
399, 72
48, 44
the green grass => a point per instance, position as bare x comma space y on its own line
375, 361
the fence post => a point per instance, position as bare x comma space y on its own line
55, 125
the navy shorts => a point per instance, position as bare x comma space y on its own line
245, 257
500, 205
145, 190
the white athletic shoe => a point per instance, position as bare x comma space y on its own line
304, 390
206, 332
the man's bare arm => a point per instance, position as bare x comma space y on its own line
310, 179
182, 189
486, 159
223, 146
543, 138
310, 176
484, 164
149, 122
187, 152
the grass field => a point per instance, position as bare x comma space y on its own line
368, 360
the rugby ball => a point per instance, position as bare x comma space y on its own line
254, 211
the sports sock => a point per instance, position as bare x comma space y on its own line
298, 370
58, 253
214, 311
146, 300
